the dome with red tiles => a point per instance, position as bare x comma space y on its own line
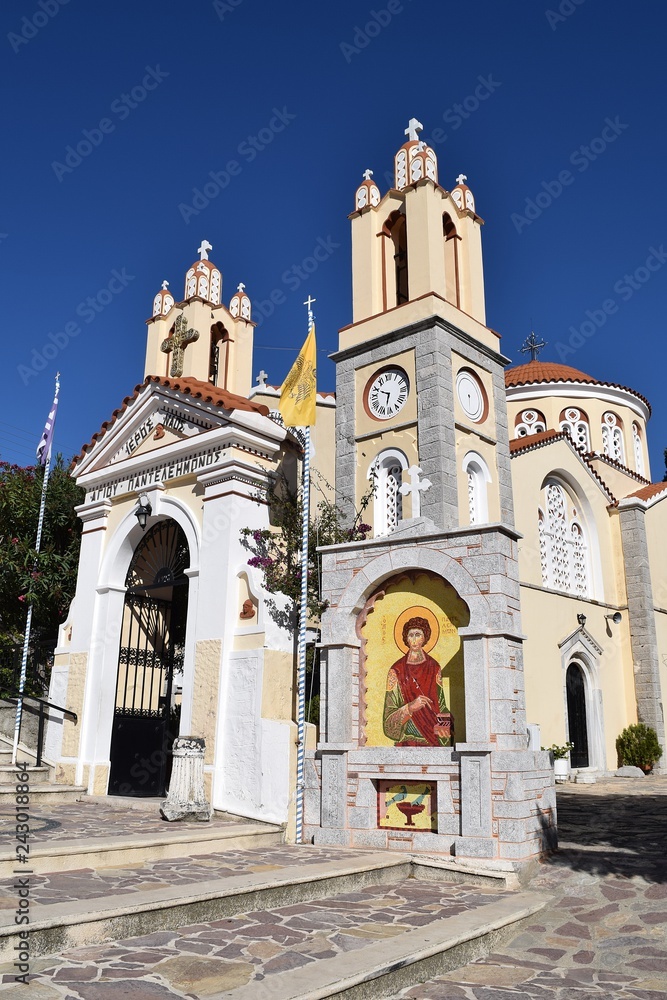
545, 371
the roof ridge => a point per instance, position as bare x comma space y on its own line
543, 438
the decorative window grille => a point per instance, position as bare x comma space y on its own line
388, 504
530, 422
637, 446
612, 438
575, 422
563, 549
472, 499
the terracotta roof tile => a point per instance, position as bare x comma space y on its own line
520, 445
537, 372
188, 386
650, 491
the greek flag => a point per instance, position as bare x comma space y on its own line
44, 446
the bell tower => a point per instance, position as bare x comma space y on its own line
200, 337
419, 374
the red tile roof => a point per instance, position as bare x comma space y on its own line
539, 440
549, 371
205, 391
648, 492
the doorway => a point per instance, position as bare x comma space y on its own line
577, 715
152, 644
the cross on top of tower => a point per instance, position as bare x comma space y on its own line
461, 178
368, 174
204, 249
413, 129
533, 345
165, 285
261, 378
240, 287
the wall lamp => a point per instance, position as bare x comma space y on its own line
581, 619
616, 618
143, 511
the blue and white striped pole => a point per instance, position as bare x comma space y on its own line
303, 620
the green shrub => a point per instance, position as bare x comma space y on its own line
638, 746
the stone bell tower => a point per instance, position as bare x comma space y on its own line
423, 728
200, 337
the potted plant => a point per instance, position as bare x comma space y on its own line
561, 762
638, 746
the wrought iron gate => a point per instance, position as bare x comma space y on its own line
151, 650
576, 715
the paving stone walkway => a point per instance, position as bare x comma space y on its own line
605, 934
80, 820
91, 884
207, 958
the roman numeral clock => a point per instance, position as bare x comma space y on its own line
386, 393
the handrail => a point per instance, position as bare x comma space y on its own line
59, 708
42, 715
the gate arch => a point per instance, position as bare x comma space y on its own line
152, 646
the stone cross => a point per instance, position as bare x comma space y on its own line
177, 343
165, 285
461, 178
415, 488
204, 249
261, 378
241, 287
533, 345
368, 174
413, 129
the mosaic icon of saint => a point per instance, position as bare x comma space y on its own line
415, 709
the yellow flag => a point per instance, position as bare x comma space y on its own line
298, 392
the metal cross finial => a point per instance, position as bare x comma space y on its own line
461, 178
241, 287
533, 345
413, 129
368, 174
177, 343
204, 249
165, 285
415, 488
261, 378
309, 302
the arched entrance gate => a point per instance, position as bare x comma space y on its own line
152, 645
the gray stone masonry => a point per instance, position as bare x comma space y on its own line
433, 341
494, 797
641, 617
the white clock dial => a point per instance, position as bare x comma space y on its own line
387, 393
470, 394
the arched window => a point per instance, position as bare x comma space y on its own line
452, 290
388, 503
564, 555
477, 479
575, 422
612, 437
399, 237
638, 448
529, 422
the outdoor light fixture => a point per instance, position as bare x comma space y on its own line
580, 618
143, 511
616, 618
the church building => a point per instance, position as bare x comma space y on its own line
513, 578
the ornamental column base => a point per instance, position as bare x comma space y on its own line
186, 798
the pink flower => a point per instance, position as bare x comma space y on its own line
15, 541
21, 597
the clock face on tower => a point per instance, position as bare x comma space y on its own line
386, 393
471, 395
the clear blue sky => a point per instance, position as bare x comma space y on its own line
217, 72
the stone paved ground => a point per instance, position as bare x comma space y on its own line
88, 883
208, 958
605, 934
77, 820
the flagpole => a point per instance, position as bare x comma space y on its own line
28, 624
303, 618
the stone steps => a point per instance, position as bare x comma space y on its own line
334, 924
41, 793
